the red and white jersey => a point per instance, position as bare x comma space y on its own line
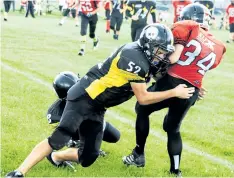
178, 6
230, 12
202, 52
107, 5
87, 6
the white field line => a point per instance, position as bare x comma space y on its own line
115, 116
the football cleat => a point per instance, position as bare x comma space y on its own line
134, 159
81, 52
176, 172
95, 44
102, 153
61, 164
5, 19
14, 174
60, 24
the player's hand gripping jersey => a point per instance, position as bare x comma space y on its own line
202, 52
108, 83
141, 9
178, 6
88, 6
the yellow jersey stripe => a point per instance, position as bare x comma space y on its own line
114, 78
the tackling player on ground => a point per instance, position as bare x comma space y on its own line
196, 52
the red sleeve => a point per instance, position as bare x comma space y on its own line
182, 31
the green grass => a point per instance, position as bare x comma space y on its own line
41, 49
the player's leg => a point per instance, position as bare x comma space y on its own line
108, 16
231, 34
65, 13
83, 33
112, 26
92, 30
133, 33
31, 9
7, 5
91, 133
59, 138
142, 126
27, 9
73, 13
118, 26
172, 121
138, 33
111, 134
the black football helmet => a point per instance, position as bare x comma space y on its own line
63, 82
157, 41
198, 13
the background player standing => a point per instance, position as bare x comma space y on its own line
230, 19
89, 9
138, 11
117, 14
178, 6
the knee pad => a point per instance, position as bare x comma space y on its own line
112, 27
111, 134
58, 139
170, 127
92, 35
87, 160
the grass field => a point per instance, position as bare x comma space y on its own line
33, 51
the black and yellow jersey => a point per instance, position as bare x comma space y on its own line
208, 3
141, 9
108, 83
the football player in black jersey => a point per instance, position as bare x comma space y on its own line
121, 76
118, 8
138, 11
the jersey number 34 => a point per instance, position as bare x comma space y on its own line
205, 63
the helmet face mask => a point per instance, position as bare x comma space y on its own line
156, 41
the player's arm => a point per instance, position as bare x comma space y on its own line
97, 9
76, 3
181, 33
134, 71
153, 12
144, 97
129, 9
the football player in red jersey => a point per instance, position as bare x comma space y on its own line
178, 5
89, 9
196, 52
230, 18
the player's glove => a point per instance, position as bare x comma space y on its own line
89, 14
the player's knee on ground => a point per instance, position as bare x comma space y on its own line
91, 134
111, 134
68, 126
59, 138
